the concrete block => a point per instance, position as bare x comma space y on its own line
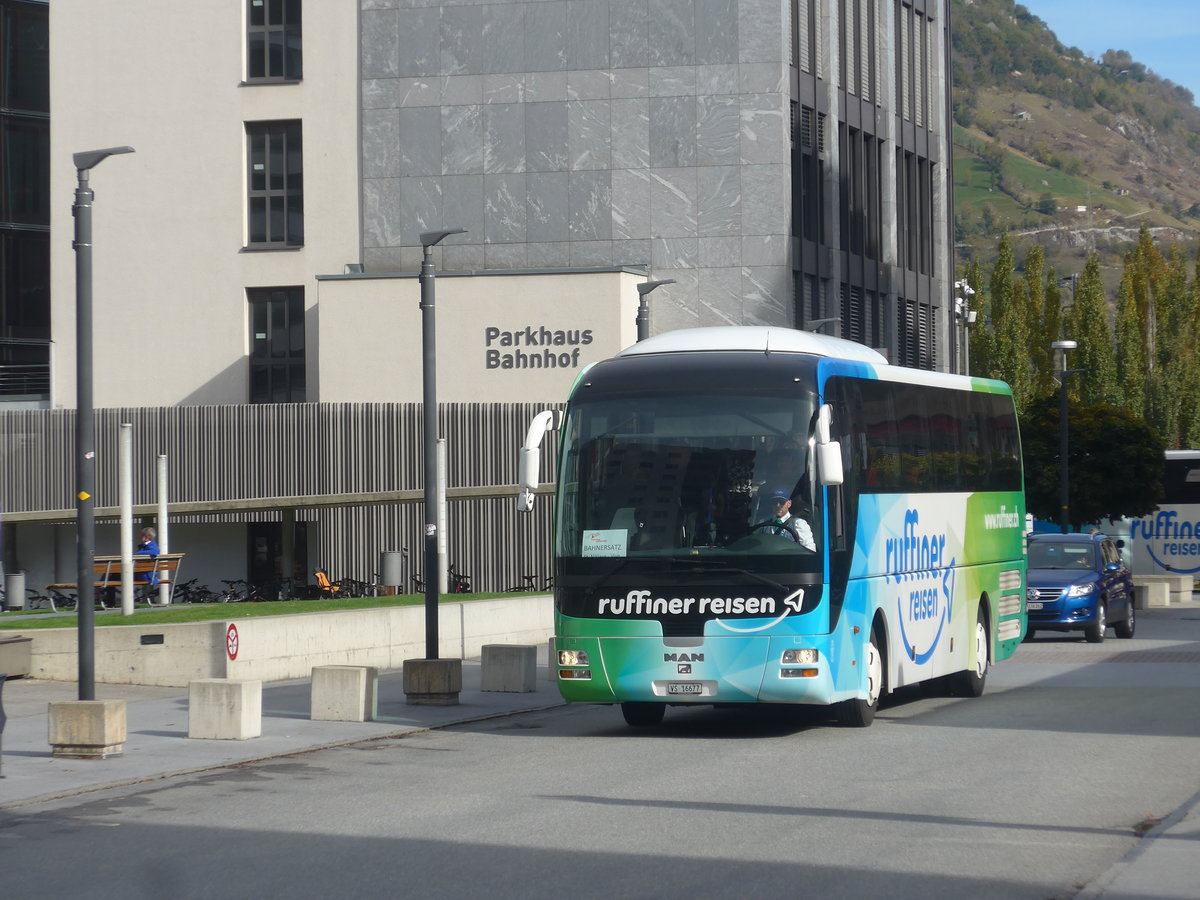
16, 655
344, 693
1176, 584
432, 682
225, 709
1150, 594
87, 729
511, 668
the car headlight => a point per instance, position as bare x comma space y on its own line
1081, 590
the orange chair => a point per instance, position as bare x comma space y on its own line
327, 588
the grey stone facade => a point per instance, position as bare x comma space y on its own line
574, 133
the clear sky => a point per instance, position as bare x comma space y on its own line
1163, 35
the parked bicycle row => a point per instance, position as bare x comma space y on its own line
239, 590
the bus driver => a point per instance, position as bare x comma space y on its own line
787, 525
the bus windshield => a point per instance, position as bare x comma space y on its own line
719, 476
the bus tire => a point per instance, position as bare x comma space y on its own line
970, 683
643, 715
860, 713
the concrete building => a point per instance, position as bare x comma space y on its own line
785, 162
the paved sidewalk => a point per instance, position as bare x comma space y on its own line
157, 744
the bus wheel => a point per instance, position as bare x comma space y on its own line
860, 713
971, 682
643, 715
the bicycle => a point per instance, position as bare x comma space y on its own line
232, 593
191, 592
529, 585
459, 583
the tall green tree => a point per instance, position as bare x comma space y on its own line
1115, 462
1097, 383
1010, 332
1041, 357
1131, 349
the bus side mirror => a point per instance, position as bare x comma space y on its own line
829, 463
829, 452
530, 461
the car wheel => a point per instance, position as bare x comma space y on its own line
1029, 633
643, 715
1095, 632
971, 682
1126, 627
861, 713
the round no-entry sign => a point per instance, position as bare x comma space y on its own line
231, 641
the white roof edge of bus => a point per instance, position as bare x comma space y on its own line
762, 338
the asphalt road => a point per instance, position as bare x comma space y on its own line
1033, 790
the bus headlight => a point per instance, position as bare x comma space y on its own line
806, 656
572, 658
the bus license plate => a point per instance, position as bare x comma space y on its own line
685, 687
1033, 605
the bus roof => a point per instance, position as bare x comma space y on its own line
767, 339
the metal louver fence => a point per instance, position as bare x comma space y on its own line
307, 450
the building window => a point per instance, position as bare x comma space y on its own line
24, 200
276, 184
277, 345
273, 51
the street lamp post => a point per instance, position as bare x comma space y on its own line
429, 398
816, 325
85, 421
965, 317
643, 313
1064, 491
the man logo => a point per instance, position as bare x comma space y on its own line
683, 657
685, 668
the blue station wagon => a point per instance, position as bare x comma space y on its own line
1078, 582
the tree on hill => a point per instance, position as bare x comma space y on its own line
1115, 462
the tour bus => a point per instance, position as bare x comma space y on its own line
679, 575
1167, 542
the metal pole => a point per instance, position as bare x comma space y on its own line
164, 527
429, 444
443, 568
125, 468
1064, 494
85, 424
85, 439
430, 436
643, 313
1064, 490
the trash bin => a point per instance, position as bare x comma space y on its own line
14, 590
393, 565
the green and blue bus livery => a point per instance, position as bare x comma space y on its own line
677, 579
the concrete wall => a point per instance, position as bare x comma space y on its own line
273, 648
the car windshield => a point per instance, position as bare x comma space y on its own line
1061, 555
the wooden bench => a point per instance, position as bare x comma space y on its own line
107, 573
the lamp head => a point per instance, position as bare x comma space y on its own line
1063, 345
